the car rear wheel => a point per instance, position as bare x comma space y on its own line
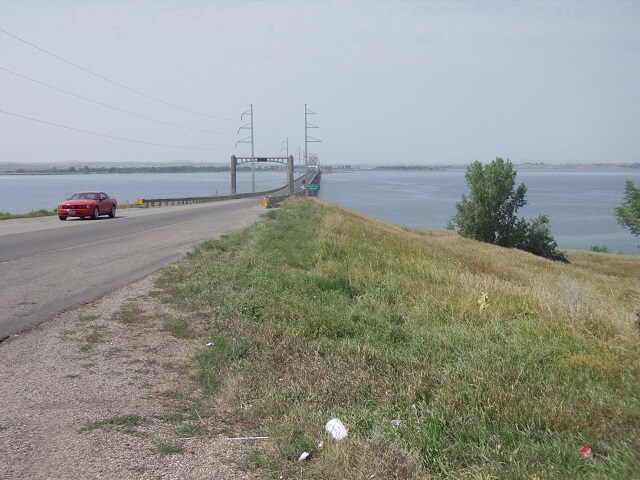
112, 213
96, 213
61, 217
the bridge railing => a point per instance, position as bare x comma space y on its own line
275, 198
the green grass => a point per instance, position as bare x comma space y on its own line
191, 430
164, 449
95, 337
316, 312
130, 313
124, 424
31, 214
178, 327
83, 319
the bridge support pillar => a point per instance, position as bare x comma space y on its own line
290, 172
234, 163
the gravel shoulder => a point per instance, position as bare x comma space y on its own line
102, 391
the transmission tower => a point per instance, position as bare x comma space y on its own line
307, 138
249, 139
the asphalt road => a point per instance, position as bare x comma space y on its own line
47, 266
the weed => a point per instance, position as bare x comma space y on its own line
176, 366
66, 335
124, 424
130, 313
87, 318
178, 327
92, 339
114, 352
191, 430
163, 449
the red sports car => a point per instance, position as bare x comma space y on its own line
88, 204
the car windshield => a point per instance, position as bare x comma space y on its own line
84, 196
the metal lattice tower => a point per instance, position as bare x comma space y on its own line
249, 139
307, 138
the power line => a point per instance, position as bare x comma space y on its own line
140, 44
121, 85
109, 136
110, 106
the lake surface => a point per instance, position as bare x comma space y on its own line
23, 193
579, 203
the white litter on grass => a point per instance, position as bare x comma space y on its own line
336, 429
304, 456
209, 344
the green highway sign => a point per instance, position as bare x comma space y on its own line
313, 186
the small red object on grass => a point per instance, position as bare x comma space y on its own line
586, 452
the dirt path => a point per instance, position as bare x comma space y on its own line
101, 392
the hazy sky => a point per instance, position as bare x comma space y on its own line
395, 82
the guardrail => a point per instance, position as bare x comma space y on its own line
271, 201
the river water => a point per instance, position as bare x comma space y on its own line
579, 203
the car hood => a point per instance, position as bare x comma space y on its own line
78, 202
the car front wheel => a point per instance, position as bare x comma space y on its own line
96, 213
112, 213
61, 217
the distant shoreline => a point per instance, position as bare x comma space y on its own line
578, 166
86, 170
127, 170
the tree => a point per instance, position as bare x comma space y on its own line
489, 213
628, 214
540, 242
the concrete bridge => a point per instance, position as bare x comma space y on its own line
294, 186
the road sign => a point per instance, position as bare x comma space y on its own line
313, 186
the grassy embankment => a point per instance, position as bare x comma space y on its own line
32, 214
316, 312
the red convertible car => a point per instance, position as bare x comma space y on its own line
88, 204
